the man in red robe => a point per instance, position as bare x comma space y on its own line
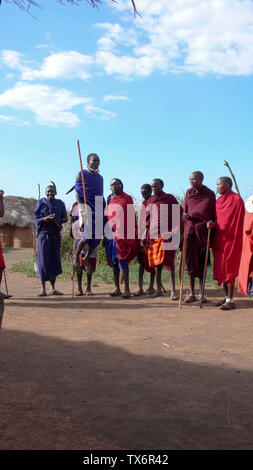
227, 243
245, 278
122, 220
159, 230
199, 212
146, 192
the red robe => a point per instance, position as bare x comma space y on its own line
127, 247
2, 263
200, 208
154, 238
246, 264
227, 244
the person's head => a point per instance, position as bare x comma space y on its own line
157, 186
146, 191
224, 184
93, 161
196, 179
116, 186
50, 192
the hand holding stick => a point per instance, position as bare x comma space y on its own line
83, 184
205, 268
233, 176
182, 267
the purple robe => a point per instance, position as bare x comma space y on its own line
49, 238
94, 186
200, 205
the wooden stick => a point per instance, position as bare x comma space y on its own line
182, 267
233, 176
5, 281
82, 176
205, 268
73, 271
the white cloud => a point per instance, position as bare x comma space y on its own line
12, 59
207, 36
116, 98
70, 64
5, 118
94, 112
50, 105
62, 65
13, 120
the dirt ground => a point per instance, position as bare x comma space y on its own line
107, 373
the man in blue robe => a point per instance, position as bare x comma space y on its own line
91, 210
49, 215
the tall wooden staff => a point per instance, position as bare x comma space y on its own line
85, 203
182, 267
233, 176
82, 176
205, 268
73, 271
5, 281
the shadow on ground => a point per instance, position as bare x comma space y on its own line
58, 394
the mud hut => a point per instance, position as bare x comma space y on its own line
17, 225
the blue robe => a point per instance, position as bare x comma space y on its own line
94, 186
48, 238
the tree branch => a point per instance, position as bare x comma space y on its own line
26, 4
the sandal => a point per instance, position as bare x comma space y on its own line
228, 306
79, 293
189, 299
42, 293
54, 292
88, 292
156, 294
173, 297
204, 301
116, 293
150, 291
221, 302
5, 296
138, 293
126, 295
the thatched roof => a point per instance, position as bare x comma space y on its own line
18, 211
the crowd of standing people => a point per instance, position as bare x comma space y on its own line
153, 235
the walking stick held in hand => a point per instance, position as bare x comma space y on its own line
5, 281
73, 271
182, 267
205, 268
233, 176
84, 193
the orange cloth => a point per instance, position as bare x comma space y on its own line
246, 266
156, 253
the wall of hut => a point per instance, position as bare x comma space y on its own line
16, 237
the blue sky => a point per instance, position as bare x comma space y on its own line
157, 97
